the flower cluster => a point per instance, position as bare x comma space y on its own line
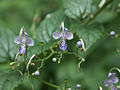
111, 81
24, 40
63, 34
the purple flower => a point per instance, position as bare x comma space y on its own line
22, 49
79, 44
110, 81
63, 45
24, 40
78, 86
112, 33
64, 34
37, 73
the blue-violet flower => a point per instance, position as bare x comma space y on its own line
24, 40
110, 81
64, 34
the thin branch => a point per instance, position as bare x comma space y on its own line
49, 84
99, 10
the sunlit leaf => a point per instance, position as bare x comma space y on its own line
89, 34
7, 50
78, 8
8, 79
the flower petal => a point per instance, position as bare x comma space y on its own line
23, 40
22, 49
65, 29
111, 74
60, 28
22, 32
68, 35
114, 79
106, 83
63, 45
56, 35
26, 35
30, 42
113, 87
17, 40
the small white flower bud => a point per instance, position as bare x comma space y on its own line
48, 15
112, 33
54, 59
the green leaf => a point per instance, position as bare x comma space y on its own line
84, 77
47, 27
6, 45
105, 16
78, 8
8, 79
96, 2
114, 25
36, 49
89, 34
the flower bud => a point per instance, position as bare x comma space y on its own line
78, 86
37, 73
54, 59
42, 43
112, 33
79, 44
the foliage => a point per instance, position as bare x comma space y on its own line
41, 18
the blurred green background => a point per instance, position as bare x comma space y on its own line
100, 58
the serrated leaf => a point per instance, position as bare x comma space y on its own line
9, 79
47, 27
6, 45
89, 34
78, 8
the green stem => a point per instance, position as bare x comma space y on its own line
74, 54
99, 10
65, 83
44, 59
24, 57
49, 84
